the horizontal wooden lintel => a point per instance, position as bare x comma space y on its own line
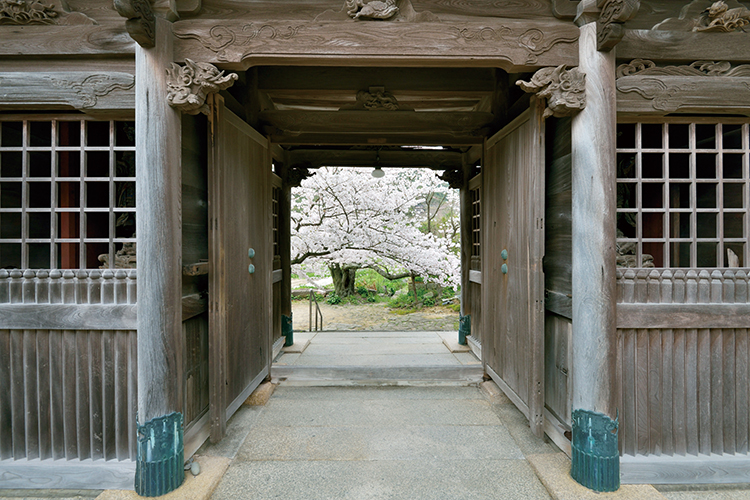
68, 316
683, 315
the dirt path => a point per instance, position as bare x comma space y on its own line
376, 317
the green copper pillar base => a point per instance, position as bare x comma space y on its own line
464, 328
159, 466
287, 330
596, 458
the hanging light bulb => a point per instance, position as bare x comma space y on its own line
378, 172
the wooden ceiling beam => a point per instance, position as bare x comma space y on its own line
400, 139
681, 46
316, 158
347, 79
377, 122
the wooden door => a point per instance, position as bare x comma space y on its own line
513, 236
240, 300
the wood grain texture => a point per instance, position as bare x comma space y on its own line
558, 217
703, 469
683, 47
68, 316
240, 210
593, 232
68, 474
26, 41
684, 392
683, 315
512, 219
69, 395
662, 95
510, 45
102, 90
158, 190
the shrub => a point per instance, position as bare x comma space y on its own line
333, 299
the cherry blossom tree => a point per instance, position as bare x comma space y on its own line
347, 220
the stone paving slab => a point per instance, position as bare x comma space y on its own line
197, 487
376, 393
374, 480
377, 360
385, 413
369, 348
237, 428
407, 442
553, 470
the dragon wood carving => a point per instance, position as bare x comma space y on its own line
720, 18
374, 9
189, 85
564, 90
27, 12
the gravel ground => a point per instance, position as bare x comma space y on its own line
376, 317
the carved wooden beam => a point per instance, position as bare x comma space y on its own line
645, 88
677, 46
189, 85
610, 26
564, 90
390, 158
80, 90
511, 45
140, 20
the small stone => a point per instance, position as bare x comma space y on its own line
195, 468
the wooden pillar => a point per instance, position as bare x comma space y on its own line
159, 234
466, 238
593, 210
285, 244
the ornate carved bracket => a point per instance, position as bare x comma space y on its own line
375, 99
189, 85
610, 26
295, 175
27, 12
373, 9
454, 178
564, 90
141, 22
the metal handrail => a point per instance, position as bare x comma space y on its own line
318, 313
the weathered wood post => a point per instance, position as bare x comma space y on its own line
594, 204
159, 467
285, 248
466, 250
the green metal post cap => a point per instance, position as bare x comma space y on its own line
596, 457
159, 466
251, 269
504, 254
251, 252
504, 268
464, 328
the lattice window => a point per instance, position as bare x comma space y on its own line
476, 247
682, 193
275, 211
67, 194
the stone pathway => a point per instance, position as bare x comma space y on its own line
365, 348
328, 443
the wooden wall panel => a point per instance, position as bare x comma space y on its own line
475, 298
557, 344
558, 218
69, 394
685, 391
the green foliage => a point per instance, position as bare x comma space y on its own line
371, 280
333, 299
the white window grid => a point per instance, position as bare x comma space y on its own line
32, 185
654, 190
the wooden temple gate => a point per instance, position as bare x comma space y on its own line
546, 214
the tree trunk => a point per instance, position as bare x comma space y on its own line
414, 287
343, 279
